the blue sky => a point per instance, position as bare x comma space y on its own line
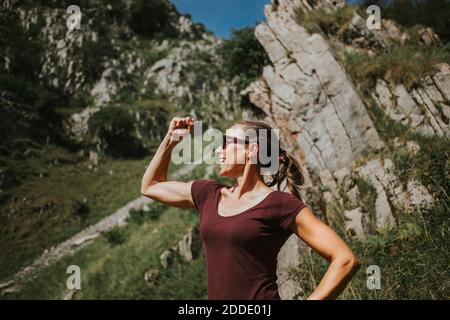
219, 16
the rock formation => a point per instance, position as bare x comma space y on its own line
325, 122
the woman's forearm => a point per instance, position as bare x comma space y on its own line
159, 165
339, 273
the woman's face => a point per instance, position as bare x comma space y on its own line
234, 156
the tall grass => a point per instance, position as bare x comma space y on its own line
414, 261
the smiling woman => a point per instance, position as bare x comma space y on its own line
244, 226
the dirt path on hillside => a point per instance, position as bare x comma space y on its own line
82, 238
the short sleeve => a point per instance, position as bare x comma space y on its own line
199, 192
290, 207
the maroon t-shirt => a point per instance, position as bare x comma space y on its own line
241, 250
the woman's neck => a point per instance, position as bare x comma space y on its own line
250, 181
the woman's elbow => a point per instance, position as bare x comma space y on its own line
144, 191
147, 190
353, 263
349, 262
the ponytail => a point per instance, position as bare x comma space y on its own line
290, 171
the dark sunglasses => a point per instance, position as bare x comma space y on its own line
227, 140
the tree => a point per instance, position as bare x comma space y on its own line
148, 17
243, 55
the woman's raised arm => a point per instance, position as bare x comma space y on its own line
154, 183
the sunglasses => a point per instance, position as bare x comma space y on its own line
226, 140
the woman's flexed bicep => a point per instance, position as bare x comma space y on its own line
172, 193
154, 183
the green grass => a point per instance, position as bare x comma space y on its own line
430, 166
319, 21
41, 212
405, 64
414, 261
368, 197
116, 271
48, 204
398, 63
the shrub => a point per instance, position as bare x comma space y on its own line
117, 13
205, 56
80, 209
116, 236
112, 129
156, 209
21, 47
148, 17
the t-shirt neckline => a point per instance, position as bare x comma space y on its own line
240, 213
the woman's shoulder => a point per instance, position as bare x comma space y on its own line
289, 206
284, 196
285, 200
203, 190
200, 185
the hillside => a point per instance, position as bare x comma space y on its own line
82, 111
366, 113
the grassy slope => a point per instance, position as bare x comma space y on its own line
116, 271
41, 213
110, 269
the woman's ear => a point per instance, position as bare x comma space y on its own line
252, 155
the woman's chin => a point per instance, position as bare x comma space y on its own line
223, 170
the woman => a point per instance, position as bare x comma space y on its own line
244, 226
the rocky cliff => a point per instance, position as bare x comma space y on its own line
325, 118
106, 62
